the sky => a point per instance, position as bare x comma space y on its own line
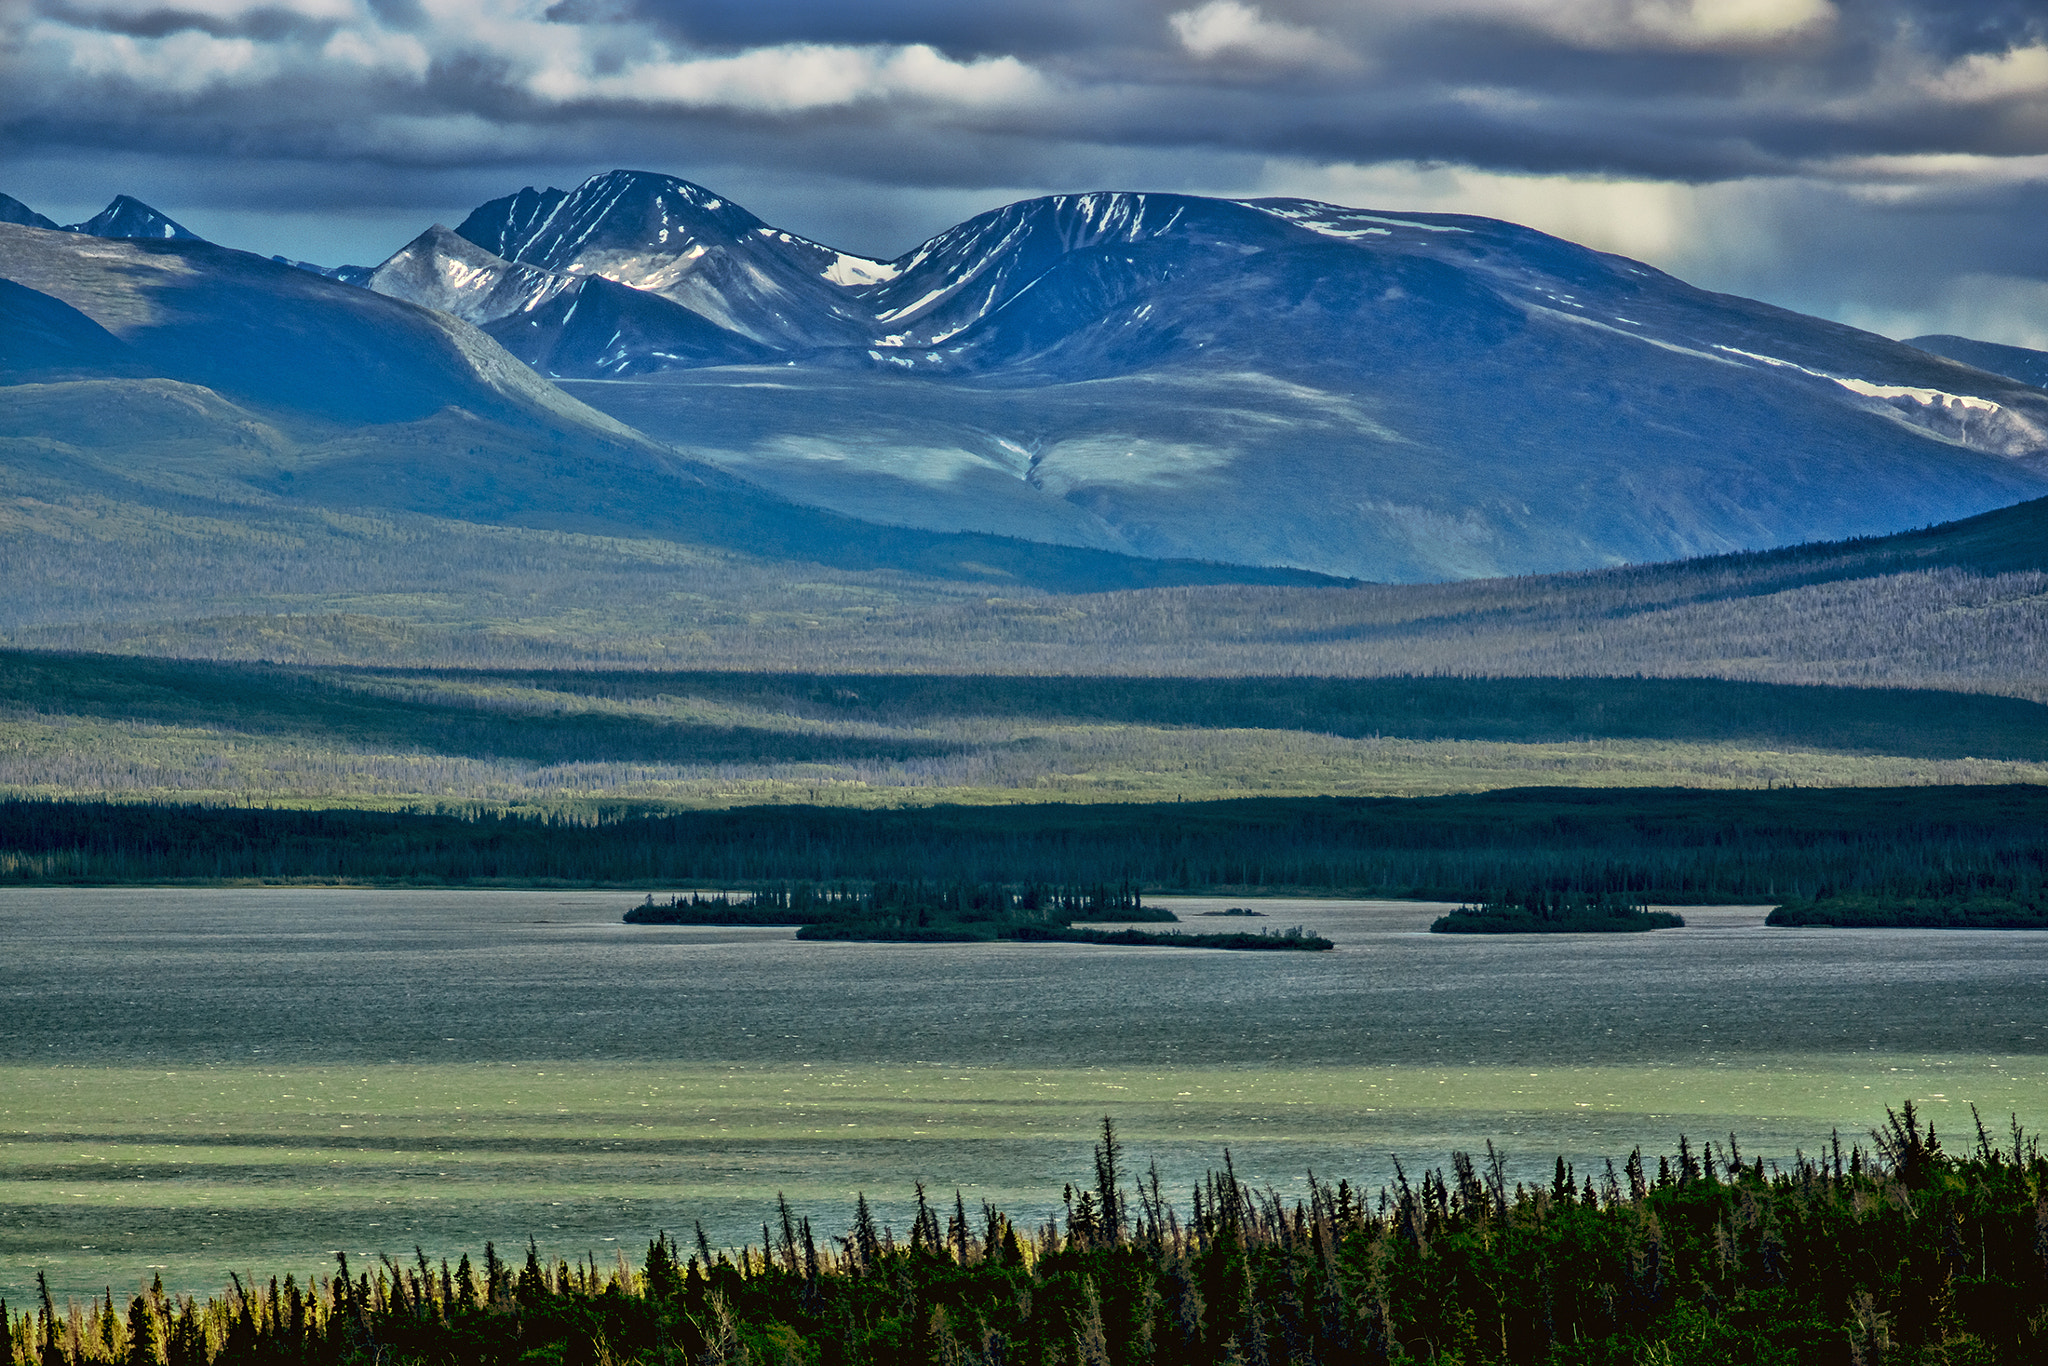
1883, 162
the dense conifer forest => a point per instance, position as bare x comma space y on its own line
1678, 846
1903, 1254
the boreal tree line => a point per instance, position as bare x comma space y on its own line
1905, 1254
1667, 845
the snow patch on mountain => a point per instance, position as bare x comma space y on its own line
1131, 461
1538, 310
1964, 419
915, 306
1931, 397
1334, 220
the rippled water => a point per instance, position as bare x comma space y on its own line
201, 1081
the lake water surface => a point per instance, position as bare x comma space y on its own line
199, 1081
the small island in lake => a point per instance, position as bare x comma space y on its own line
917, 912
1552, 912
1234, 910
1866, 912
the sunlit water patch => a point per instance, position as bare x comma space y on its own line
201, 1081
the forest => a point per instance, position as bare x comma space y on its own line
1672, 846
1903, 1253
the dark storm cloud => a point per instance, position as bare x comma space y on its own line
1737, 139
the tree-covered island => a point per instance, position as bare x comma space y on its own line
1545, 911
1984, 908
918, 912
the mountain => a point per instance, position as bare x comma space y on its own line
562, 324
440, 270
1373, 395
12, 210
156, 372
127, 217
255, 331
690, 246
1272, 382
2014, 362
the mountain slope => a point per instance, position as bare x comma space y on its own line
1382, 396
255, 330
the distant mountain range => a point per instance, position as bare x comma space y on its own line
157, 369
1259, 382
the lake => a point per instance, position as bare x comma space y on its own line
199, 1081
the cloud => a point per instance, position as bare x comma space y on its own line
1700, 25
2020, 73
1225, 29
792, 78
401, 53
182, 63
